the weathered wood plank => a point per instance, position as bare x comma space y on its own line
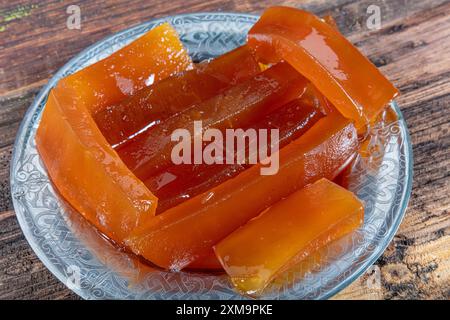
412, 49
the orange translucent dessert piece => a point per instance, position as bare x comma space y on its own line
320, 53
152, 57
188, 231
82, 165
87, 172
235, 107
181, 182
174, 94
287, 232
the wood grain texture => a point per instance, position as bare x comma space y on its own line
412, 49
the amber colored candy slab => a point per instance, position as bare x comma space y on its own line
152, 57
188, 231
290, 230
320, 53
235, 107
87, 172
157, 102
181, 182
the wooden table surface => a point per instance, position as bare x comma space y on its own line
412, 49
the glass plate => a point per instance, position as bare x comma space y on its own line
93, 269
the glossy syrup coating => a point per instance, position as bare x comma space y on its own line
311, 98
328, 19
152, 57
179, 183
235, 107
288, 232
188, 231
292, 120
87, 172
159, 101
320, 53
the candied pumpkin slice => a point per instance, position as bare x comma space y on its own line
287, 232
235, 107
320, 53
88, 173
188, 231
174, 94
152, 57
181, 182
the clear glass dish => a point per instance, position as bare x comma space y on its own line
79, 257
